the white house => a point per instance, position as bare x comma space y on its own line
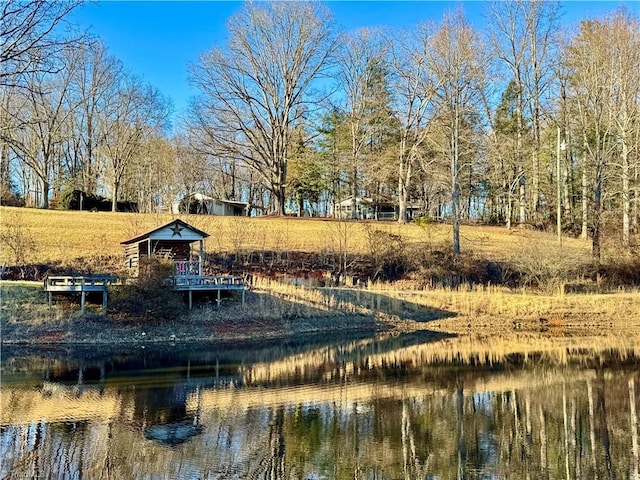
203, 204
368, 209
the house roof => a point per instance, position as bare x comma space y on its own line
206, 198
175, 228
234, 202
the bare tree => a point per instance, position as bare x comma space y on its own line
31, 33
93, 84
457, 61
152, 173
624, 41
414, 88
256, 90
136, 112
604, 92
44, 111
357, 58
522, 38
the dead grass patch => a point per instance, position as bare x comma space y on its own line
60, 235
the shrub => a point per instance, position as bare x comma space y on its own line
438, 266
618, 273
70, 200
148, 297
545, 267
17, 238
10, 198
387, 254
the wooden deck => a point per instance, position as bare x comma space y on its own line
181, 283
201, 283
80, 284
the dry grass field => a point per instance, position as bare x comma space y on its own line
62, 236
486, 323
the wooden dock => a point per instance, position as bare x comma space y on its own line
201, 283
180, 283
80, 284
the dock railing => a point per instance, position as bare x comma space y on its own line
217, 283
187, 268
80, 284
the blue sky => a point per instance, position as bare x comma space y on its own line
157, 40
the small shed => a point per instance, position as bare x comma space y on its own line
174, 241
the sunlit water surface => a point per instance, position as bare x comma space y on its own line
321, 409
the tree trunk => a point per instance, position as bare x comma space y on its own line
597, 211
633, 419
114, 192
46, 188
403, 176
626, 196
585, 201
354, 192
455, 186
565, 188
522, 202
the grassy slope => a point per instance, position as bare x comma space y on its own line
62, 235
517, 317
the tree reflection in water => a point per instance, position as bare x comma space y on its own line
357, 409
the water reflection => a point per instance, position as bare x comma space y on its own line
361, 408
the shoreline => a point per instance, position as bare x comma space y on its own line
473, 320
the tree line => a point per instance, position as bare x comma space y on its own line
523, 123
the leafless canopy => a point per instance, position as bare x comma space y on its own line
30, 33
256, 90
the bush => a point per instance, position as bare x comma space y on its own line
148, 298
438, 266
70, 200
386, 254
544, 267
17, 238
10, 198
618, 273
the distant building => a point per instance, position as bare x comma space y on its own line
368, 209
202, 204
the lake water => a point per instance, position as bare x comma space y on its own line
357, 408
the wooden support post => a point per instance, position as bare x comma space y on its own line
190, 299
218, 298
243, 290
104, 299
82, 295
50, 300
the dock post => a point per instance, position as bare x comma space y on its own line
82, 295
104, 299
190, 299
243, 295
50, 300
218, 300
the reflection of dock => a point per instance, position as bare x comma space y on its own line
60, 403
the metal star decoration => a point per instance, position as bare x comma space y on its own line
176, 229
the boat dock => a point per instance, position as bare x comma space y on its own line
200, 283
80, 284
99, 283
